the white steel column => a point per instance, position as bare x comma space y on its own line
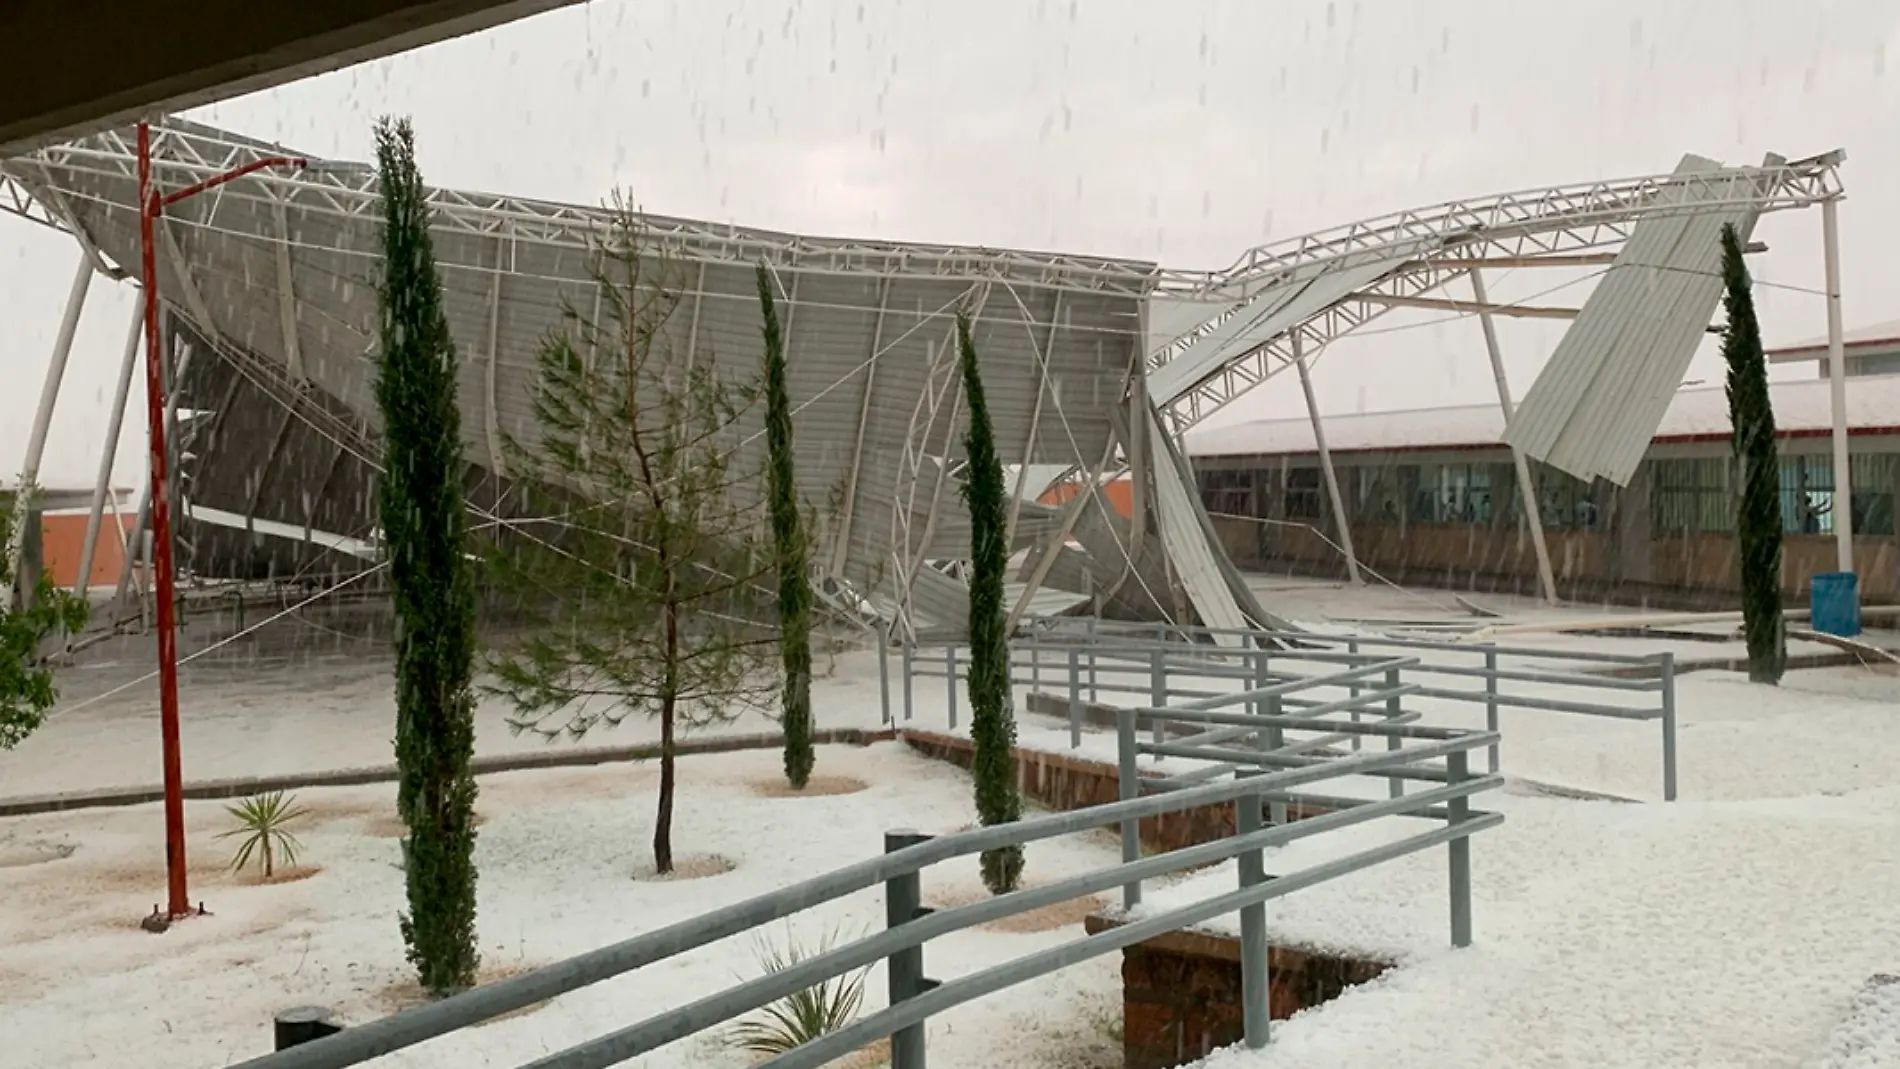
1843, 508
1527, 490
842, 543
115, 422
1326, 464
491, 416
42, 423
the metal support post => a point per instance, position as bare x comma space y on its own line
1326, 466
150, 204
1127, 787
903, 898
1035, 660
1256, 1005
115, 422
950, 679
1843, 508
884, 673
1458, 811
910, 673
1491, 701
1075, 698
1527, 490
1392, 711
1669, 725
42, 423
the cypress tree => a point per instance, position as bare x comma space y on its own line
992, 721
794, 583
423, 529
1752, 441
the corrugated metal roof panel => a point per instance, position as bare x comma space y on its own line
1178, 515
1267, 316
1595, 407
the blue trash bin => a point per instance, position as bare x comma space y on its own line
1834, 604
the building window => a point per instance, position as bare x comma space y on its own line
1303, 494
1378, 497
1690, 495
1227, 491
1873, 364
1872, 486
1564, 502
1452, 493
1807, 495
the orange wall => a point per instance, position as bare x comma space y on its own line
1120, 494
64, 535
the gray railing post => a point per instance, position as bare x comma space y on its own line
1094, 694
1255, 987
1491, 700
1392, 710
1035, 660
884, 674
1075, 698
1158, 682
1669, 726
950, 679
1128, 786
910, 673
903, 900
1459, 810
1275, 736
1352, 651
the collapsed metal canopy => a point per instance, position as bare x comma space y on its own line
275, 276
275, 273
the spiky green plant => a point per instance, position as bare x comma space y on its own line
802, 1016
263, 821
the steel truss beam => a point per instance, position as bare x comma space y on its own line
186, 152
1561, 219
1561, 224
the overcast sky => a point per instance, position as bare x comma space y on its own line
1184, 132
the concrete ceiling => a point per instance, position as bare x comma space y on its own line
69, 69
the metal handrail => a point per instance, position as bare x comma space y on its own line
1124, 651
409, 1027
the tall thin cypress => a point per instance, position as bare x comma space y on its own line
424, 531
794, 583
1752, 441
992, 720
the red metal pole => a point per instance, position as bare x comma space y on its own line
178, 902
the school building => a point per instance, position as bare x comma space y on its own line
1431, 496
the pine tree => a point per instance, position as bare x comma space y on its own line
646, 592
992, 720
26, 679
1758, 522
794, 583
424, 531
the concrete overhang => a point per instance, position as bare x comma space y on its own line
68, 69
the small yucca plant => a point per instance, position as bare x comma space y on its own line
803, 1016
262, 821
